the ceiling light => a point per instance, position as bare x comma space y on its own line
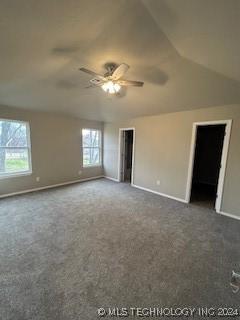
111, 87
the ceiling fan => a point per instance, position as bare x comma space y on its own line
112, 81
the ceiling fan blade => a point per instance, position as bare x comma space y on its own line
95, 83
92, 73
130, 83
91, 86
119, 71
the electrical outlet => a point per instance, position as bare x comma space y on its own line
79, 172
37, 179
158, 182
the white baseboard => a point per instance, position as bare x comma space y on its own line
230, 215
149, 190
159, 193
110, 178
49, 187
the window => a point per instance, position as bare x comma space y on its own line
91, 143
15, 151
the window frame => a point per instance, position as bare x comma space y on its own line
100, 149
29, 149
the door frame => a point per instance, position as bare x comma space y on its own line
120, 149
222, 172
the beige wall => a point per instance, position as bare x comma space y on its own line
56, 150
162, 152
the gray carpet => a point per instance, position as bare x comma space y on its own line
66, 252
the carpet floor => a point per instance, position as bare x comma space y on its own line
68, 251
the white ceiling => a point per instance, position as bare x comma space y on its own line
186, 51
206, 31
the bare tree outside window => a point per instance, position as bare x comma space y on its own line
91, 142
14, 147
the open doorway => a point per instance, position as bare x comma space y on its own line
126, 155
207, 163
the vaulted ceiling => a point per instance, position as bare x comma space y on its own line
186, 51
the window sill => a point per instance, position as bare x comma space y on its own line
92, 166
15, 175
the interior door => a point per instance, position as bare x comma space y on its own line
122, 172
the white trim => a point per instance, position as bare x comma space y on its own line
100, 164
28, 148
191, 163
13, 120
120, 151
15, 175
212, 122
119, 154
110, 178
226, 143
230, 215
92, 165
159, 193
49, 187
222, 172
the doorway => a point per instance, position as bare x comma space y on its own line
126, 155
208, 160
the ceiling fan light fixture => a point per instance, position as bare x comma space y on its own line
117, 87
112, 81
111, 87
